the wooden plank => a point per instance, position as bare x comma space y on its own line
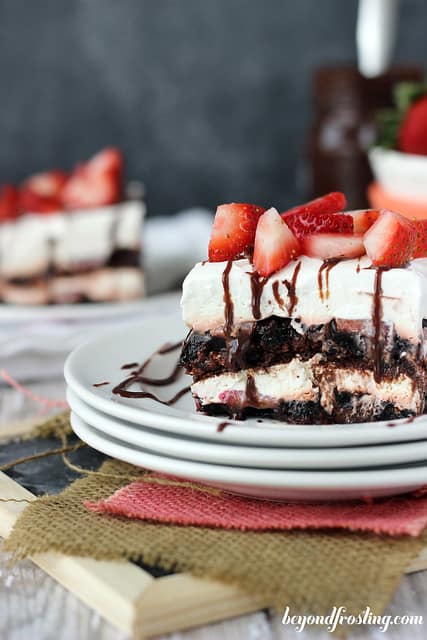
129, 597
126, 595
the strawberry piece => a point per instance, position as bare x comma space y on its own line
305, 224
363, 219
330, 203
8, 202
275, 244
412, 137
96, 183
41, 192
420, 248
109, 159
391, 240
328, 246
233, 231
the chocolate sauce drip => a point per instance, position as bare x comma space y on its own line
222, 426
291, 287
358, 266
122, 389
326, 266
129, 365
228, 302
100, 384
277, 295
377, 313
169, 347
257, 285
251, 392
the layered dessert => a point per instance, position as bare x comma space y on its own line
67, 238
314, 315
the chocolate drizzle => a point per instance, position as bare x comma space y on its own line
276, 294
326, 266
291, 287
100, 384
228, 301
122, 389
222, 425
129, 365
257, 286
377, 313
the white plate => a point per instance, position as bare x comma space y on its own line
10, 313
262, 483
235, 455
101, 359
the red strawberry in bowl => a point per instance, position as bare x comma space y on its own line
96, 183
275, 244
8, 202
233, 231
412, 136
41, 192
390, 242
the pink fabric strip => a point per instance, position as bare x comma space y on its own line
405, 515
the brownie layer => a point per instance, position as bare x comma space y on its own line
353, 410
278, 340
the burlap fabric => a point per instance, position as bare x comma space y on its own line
310, 571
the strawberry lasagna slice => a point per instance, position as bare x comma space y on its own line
314, 315
67, 238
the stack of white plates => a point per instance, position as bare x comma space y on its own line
264, 459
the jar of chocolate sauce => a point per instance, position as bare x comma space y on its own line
344, 127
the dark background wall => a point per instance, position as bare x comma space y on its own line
209, 99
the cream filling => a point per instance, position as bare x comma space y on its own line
102, 285
305, 381
65, 240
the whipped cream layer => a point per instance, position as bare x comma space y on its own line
345, 291
67, 240
305, 381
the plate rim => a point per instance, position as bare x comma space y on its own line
322, 480
235, 453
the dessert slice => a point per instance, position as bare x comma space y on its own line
72, 238
326, 327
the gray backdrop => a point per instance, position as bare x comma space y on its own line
208, 98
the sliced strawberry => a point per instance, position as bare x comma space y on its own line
420, 248
41, 192
413, 130
333, 245
363, 219
305, 224
390, 241
275, 244
8, 202
233, 231
96, 183
330, 203
109, 159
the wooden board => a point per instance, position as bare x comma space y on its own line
129, 597
126, 595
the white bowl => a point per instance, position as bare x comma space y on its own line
400, 174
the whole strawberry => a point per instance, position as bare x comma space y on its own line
412, 136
